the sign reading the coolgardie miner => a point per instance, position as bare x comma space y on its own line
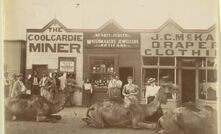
54, 39
172, 42
111, 40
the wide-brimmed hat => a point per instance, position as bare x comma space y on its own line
151, 80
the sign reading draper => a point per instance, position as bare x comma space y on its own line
178, 44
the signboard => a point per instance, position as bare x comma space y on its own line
47, 46
178, 44
67, 64
171, 41
111, 40
54, 40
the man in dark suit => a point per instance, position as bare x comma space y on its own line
34, 83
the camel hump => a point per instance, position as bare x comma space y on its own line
191, 106
117, 99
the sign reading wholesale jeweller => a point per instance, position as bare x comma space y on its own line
172, 42
111, 40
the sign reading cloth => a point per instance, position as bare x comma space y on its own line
111, 40
178, 44
67, 64
54, 39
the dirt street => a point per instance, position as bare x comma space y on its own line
71, 123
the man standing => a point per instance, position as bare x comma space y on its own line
34, 82
18, 86
88, 90
118, 86
112, 85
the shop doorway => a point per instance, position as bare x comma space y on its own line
40, 69
188, 85
124, 72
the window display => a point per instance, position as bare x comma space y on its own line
101, 70
208, 80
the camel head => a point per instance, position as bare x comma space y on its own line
164, 90
93, 116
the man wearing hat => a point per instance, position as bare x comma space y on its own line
151, 90
18, 86
130, 92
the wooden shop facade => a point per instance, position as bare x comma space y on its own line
187, 56
107, 50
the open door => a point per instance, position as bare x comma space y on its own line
188, 85
40, 69
124, 72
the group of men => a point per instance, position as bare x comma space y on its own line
46, 86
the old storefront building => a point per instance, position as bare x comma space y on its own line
187, 57
55, 48
14, 56
110, 49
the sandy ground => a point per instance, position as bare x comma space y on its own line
71, 123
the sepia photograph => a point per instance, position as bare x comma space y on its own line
110, 66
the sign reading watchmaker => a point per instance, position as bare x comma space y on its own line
111, 40
178, 44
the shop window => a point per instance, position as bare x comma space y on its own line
211, 62
167, 61
150, 60
202, 62
211, 75
150, 73
188, 62
101, 69
167, 75
207, 84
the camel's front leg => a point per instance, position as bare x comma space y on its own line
147, 125
136, 123
41, 118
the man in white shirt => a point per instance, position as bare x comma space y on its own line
151, 90
88, 90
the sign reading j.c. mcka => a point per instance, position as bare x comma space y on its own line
174, 41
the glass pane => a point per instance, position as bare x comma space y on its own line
167, 61
202, 81
202, 75
189, 62
202, 62
169, 73
150, 60
150, 73
211, 75
211, 62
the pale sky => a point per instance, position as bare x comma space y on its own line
91, 14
